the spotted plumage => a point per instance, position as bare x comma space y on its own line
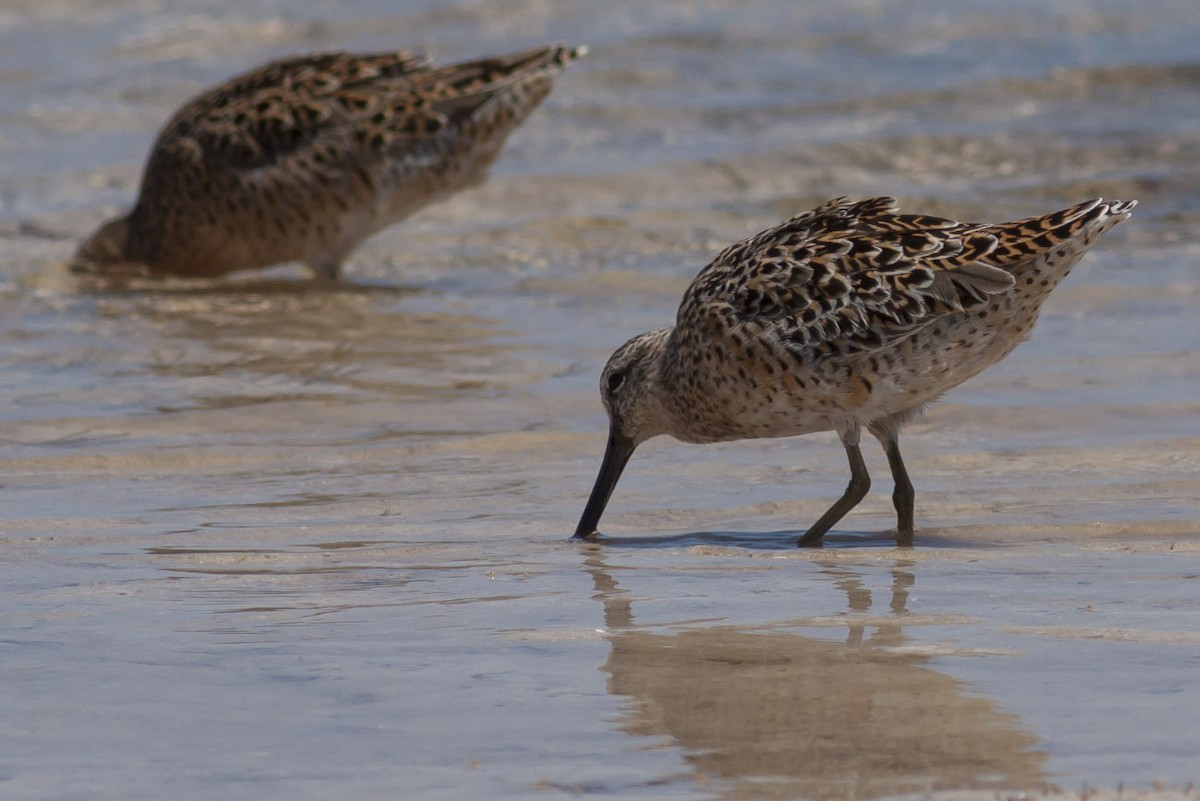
303, 158
846, 317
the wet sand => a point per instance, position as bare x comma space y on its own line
267, 540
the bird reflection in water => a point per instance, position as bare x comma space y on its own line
779, 715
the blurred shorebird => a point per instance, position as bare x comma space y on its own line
303, 158
846, 317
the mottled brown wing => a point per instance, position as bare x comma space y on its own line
324, 106
846, 277
264, 115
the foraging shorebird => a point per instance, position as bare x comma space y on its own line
303, 158
846, 317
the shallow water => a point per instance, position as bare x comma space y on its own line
265, 540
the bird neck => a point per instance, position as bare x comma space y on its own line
669, 381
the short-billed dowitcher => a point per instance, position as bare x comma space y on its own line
846, 317
303, 158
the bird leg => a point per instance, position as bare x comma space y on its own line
887, 431
856, 490
327, 271
903, 495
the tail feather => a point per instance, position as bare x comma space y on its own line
1021, 240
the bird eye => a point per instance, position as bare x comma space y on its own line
615, 380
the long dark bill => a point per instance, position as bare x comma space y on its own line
616, 456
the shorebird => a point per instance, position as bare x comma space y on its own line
303, 158
846, 317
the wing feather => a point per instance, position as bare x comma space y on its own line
848, 276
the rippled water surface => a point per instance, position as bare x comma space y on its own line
268, 540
